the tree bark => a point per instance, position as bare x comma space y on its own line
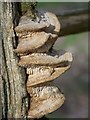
14, 96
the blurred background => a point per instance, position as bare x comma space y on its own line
74, 82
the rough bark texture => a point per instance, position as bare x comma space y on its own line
13, 91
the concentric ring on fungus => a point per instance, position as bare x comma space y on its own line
45, 99
36, 39
30, 44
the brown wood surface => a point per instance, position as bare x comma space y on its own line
73, 22
13, 90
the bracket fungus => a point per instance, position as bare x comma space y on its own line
32, 43
45, 98
36, 39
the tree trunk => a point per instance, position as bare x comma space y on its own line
13, 90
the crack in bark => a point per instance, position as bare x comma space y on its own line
13, 82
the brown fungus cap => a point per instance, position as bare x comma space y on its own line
45, 75
26, 24
30, 44
54, 23
48, 45
45, 99
45, 60
46, 21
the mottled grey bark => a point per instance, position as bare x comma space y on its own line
13, 90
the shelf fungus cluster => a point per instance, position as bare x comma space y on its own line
42, 63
